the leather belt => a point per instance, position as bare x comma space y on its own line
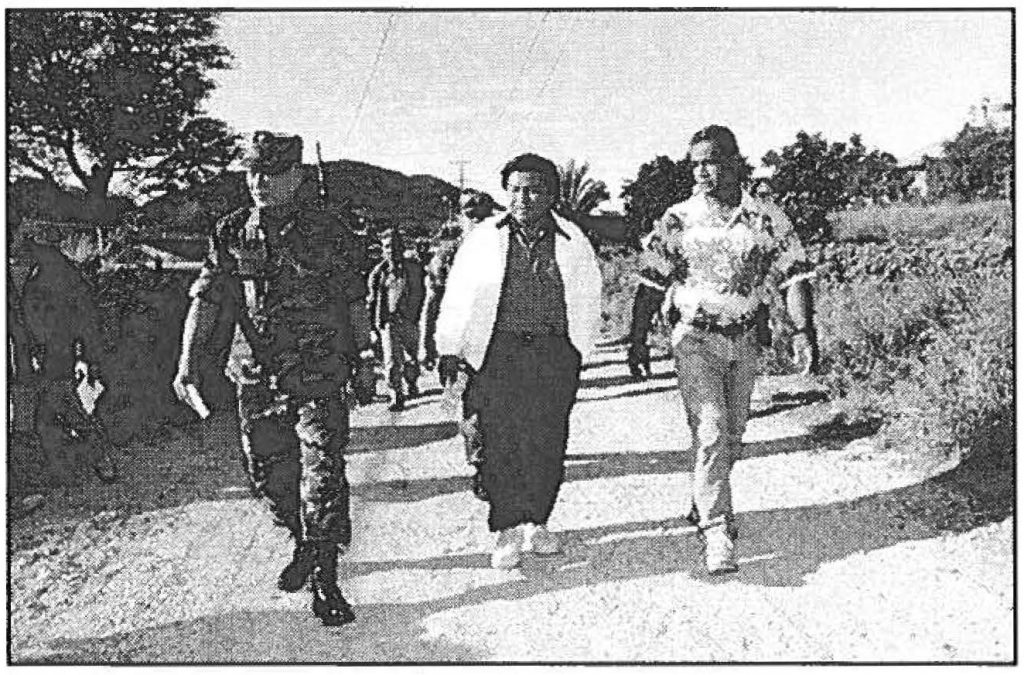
729, 330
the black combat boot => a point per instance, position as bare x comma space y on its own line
397, 401
295, 574
329, 605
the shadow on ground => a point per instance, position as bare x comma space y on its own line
778, 548
617, 380
373, 439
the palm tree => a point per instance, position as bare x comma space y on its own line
580, 194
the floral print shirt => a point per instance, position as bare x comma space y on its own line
723, 261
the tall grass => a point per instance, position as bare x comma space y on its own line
906, 222
920, 334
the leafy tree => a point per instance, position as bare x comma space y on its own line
91, 94
872, 177
580, 194
658, 184
813, 178
976, 164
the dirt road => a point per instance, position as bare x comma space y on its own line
849, 551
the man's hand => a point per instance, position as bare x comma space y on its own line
448, 369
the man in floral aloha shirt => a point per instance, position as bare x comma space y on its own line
726, 254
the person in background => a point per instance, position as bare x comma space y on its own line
806, 353
522, 308
63, 323
286, 274
396, 298
475, 207
726, 254
650, 294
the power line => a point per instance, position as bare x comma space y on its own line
558, 57
510, 97
369, 79
528, 117
461, 163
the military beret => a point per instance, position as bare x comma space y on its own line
271, 153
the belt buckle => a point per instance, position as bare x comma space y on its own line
528, 338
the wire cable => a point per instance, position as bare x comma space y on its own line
528, 117
510, 97
369, 80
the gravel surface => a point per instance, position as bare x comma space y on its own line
849, 551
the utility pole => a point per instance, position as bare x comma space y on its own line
461, 163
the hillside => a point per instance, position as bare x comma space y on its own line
382, 197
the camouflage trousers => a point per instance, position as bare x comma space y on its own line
294, 452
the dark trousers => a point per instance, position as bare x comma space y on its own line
524, 393
294, 450
646, 305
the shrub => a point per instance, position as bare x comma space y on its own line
922, 336
618, 274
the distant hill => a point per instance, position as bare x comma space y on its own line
382, 197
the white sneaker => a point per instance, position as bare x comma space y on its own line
541, 541
508, 550
719, 551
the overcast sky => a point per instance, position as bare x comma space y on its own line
612, 88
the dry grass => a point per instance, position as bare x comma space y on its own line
903, 222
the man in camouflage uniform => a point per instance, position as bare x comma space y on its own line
64, 325
286, 273
650, 294
395, 301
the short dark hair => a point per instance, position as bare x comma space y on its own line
720, 136
534, 164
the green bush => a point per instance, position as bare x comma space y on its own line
619, 281
922, 336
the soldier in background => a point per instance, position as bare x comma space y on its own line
474, 208
805, 350
285, 272
395, 301
650, 294
64, 323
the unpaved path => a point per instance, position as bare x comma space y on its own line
849, 552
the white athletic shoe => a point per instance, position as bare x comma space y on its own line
719, 551
541, 541
508, 550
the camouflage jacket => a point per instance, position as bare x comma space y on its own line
286, 277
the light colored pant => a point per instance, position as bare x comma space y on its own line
716, 379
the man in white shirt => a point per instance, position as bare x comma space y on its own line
522, 308
726, 254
